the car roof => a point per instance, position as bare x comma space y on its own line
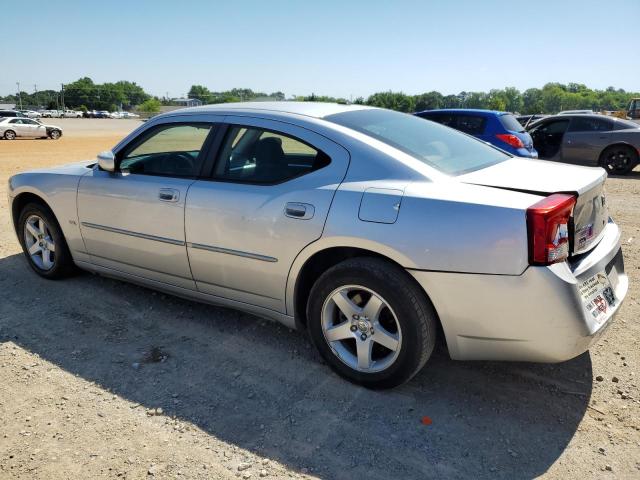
477, 111
309, 109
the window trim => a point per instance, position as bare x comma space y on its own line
225, 129
202, 157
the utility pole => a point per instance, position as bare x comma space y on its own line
62, 97
19, 96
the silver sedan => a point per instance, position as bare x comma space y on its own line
22, 127
370, 229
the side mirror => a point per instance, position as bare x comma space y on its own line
107, 161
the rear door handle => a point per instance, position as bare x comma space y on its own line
300, 211
169, 195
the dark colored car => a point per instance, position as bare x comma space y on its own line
500, 129
591, 140
11, 113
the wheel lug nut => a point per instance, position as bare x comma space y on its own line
356, 317
363, 336
353, 328
372, 331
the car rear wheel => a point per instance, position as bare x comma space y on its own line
55, 134
9, 135
618, 159
371, 323
43, 243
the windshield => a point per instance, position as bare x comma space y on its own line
441, 147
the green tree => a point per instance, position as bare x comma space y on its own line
428, 101
392, 100
150, 106
201, 93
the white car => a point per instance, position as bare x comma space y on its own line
129, 115
72, 114
31, 113
50, 113
20, 127
116, 115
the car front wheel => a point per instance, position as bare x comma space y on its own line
371, 322
43, 243
55, 134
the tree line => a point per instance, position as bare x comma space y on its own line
551, 98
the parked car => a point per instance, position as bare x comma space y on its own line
129, 115
497, 128
11, 113
30, 113
103, 114
116, 115
72, 114
371, 229
16, 127
591, 140
50, 114
89, 114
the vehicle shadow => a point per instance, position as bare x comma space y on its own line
633, 175
262, 387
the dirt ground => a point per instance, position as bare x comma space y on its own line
102, 379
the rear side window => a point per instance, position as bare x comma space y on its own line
511, 123
255, 155
471, 124
588, 124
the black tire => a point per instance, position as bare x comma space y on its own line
63, 265
55, 134
618, 159
413, 310
9, 135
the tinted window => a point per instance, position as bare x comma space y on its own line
172, 150
589, 124
509, 122
442, 148
255, 155
471, 124
17, 120
558, 126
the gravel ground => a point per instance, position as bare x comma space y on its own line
102, 379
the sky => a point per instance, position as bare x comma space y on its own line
327, 47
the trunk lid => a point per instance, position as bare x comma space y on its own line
590, 215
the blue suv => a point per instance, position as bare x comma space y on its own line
500, 129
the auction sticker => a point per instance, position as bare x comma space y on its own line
598, 296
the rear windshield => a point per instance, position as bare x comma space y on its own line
509, 122
443, 148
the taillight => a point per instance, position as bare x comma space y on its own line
510, 140
548, 228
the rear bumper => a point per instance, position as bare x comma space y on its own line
539, 316
526, 153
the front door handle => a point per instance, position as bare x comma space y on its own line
169, 195
300, 211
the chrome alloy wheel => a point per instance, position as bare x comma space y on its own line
361, 328
39, 242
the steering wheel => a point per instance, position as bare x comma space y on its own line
182, 160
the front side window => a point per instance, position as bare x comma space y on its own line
588, 124
255, 155
442, 148
169, 150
